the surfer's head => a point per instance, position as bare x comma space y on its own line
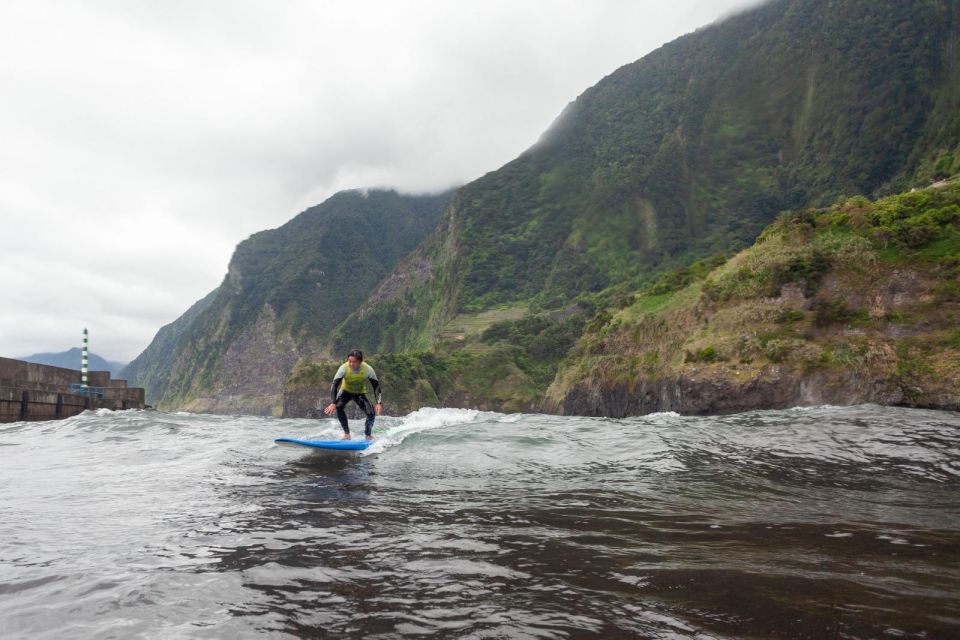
354, 358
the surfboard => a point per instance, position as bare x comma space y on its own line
326, 445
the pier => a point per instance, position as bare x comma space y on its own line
32, 392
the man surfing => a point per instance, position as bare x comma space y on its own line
350, 383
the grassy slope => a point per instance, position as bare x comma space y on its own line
497, 360
490, 381
866, 287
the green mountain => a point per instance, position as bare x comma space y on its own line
688, 152
855, 303
284, 291
503, 294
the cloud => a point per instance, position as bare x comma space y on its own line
143, 140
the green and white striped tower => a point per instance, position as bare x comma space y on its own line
84, 360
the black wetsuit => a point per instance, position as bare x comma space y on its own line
341, 397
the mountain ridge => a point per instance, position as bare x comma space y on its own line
687, 152
70, 359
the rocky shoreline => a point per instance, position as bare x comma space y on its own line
775, 389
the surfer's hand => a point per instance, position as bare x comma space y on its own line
378, 407
330, 408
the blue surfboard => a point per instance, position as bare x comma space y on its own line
326, 445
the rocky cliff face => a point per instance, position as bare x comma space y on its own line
284, 292
725, 390
252, 370
151, 368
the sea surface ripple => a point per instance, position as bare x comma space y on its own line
825, 522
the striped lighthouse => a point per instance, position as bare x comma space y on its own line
84, 360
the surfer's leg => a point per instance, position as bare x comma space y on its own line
342, 414
364, 404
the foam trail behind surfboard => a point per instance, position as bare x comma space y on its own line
426, 419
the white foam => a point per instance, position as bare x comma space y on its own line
426, 419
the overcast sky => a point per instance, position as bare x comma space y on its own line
141, 140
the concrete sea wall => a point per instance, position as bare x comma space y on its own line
30, 392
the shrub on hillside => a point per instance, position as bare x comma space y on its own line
707, 354
831, 312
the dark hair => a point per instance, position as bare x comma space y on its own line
356, 353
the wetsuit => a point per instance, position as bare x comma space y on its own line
349, 384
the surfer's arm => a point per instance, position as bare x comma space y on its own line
334, 393
337, 381
335, 389
372, 377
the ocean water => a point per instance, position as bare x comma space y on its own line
822, 522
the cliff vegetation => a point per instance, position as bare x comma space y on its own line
858, 302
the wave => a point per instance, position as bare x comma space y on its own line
426, 419
391, 431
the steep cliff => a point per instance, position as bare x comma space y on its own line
691, 150
285, 290
151, 368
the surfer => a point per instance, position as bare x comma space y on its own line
350, 383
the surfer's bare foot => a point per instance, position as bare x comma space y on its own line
370, 438
346, 436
